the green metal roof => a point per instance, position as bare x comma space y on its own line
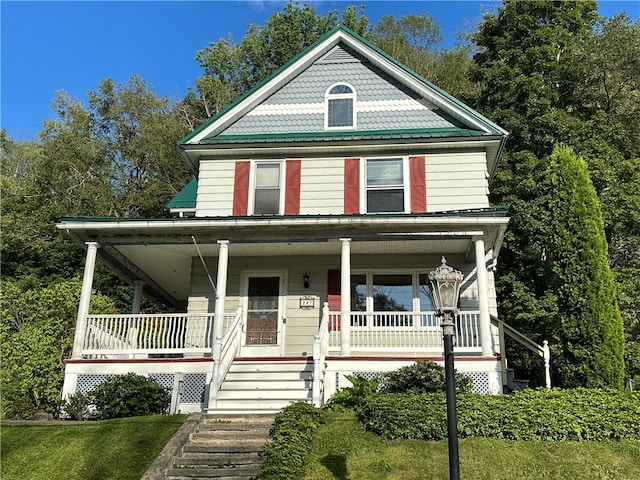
497, 210
186, 198
343, 136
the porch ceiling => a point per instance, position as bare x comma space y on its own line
169, 266
161, 253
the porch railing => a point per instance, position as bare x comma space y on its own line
320, 348
133, 335
404, 331
224, 351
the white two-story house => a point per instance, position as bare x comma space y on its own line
300, 252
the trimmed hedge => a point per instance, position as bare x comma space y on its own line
577, 414
292, 433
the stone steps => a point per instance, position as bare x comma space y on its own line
222, 447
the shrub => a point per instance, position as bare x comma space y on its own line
423, 376
76, 406
129, 395
351, 397
292, 434
580, 414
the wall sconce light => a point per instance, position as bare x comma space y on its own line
305, 279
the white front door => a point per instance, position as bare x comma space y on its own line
262, 328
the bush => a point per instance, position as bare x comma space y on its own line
77, 406
423, 376
580, 414
351, 397
129, 395
292, 433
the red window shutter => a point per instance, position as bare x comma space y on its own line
418, 184
351, 186
333, 296
241, 188
292, 192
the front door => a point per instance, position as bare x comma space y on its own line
263, 319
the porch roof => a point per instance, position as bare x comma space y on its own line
160, 251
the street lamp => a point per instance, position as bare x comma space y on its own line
445, 287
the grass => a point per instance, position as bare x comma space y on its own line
119, 449
123, 449
344, 450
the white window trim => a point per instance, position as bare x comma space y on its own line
336, 96
405, 183
415, 280
252, 186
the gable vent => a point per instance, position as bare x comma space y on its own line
339, 55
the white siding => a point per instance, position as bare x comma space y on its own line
456, 181
322, 186
215, 188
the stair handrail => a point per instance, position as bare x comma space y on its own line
225, 350
542, 351
320, 348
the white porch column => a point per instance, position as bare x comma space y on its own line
85, 298
137, 296
221, 289
483, 297
218, 320
345, 297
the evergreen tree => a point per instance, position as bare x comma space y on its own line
587, 332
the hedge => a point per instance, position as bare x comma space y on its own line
576, 414
292, 433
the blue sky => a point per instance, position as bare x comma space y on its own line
71, 46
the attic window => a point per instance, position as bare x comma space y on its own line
340, 107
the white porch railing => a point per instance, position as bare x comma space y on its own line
224, 352
128, 336
404, 331
320, 348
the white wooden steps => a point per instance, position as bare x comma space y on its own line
264, 386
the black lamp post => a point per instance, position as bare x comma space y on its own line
445, 287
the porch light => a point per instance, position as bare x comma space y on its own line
445, 289
305, 279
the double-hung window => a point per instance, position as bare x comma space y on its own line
340, 102
385, 185
267, 188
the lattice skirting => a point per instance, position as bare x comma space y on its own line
480, 380
192, 389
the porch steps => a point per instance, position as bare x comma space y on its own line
514, 384
264, 386
223, 447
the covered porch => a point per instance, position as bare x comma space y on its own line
200, 271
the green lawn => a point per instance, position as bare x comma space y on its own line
343, 450
123, 449
120, 449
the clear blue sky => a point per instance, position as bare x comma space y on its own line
71, 46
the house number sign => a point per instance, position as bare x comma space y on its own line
307, 303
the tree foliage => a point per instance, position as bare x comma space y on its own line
588, 338
36, 332
547, 73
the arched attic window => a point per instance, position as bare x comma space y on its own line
340, 101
